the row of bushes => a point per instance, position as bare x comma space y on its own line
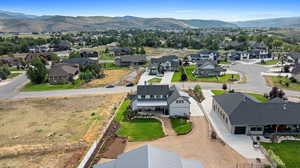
4, 72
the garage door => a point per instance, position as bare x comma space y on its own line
240, 130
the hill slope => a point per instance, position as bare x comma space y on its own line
292, 22
17, 22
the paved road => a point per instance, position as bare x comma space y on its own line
74, 92
11, 89
255, 83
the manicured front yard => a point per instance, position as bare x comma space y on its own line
280, 82
46, 86
269, 62
154, 80
181, 126
288, 151
111, 65
139, 129
224, 62
222, 79
259, 97
176, 77
12, 75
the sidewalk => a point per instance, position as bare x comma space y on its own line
240, 143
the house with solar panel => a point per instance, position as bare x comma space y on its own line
161, 100
150, 157
244, 114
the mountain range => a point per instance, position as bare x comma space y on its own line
19, 22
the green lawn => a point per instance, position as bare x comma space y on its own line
12, 75
110, 66
259, 97
176, 77
154, 80
288, 151
270, 62
46, 86
139, 129
222, 79
106, 56
218, 92
181, 126
280, 83
224, 62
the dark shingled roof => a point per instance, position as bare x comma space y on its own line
153, 89
80, 61
129, 58
63, 69
243, 110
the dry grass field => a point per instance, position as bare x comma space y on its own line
158, 52
111, 76
51, 122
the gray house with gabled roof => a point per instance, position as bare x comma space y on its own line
208, 68
150, 157
161, 99
163, 64
129, 60
244, 114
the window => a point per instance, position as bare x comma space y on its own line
179, 101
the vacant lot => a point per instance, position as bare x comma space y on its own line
157, 52
55, 121
111, 76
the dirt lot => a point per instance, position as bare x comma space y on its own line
111, 76
52, 121
157, 52
197, 146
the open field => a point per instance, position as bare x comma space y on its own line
280, 82
111, 76
288, 151
158, 52
52, 121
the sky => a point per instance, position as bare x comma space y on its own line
226, 10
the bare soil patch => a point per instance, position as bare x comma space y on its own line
30, 123
111, 76
158, 52
115, 147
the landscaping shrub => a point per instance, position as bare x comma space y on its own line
181, 126
198, 93
276, 159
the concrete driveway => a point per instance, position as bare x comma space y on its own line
240, 143
195, 108
145, 77
167, 78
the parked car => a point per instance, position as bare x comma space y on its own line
109, 86
160, 75
130, 84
